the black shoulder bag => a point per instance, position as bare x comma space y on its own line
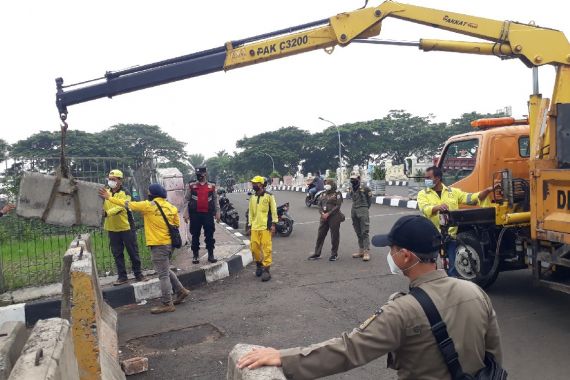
492, 369
175, 238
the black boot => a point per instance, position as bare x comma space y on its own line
211, 257
259, 269
314, 256
195, 259
265, 276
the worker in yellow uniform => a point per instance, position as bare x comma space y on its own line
262, 219
437, 197
119, 224
158, 239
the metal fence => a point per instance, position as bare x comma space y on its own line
31, 251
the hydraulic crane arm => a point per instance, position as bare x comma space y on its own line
534, 45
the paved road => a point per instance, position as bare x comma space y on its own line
308, 302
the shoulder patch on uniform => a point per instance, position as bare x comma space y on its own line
396, 295
338, 196
269, 193
367, 322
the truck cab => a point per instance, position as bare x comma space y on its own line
469, 161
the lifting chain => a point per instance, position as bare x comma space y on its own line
63, 172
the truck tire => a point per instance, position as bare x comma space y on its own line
470, 262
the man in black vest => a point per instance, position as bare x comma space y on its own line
202, 207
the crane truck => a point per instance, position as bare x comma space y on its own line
526, 223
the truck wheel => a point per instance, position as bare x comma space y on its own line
470, 262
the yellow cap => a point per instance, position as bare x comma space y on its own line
116, 173
257, 179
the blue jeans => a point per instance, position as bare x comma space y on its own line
313, 191
451, 248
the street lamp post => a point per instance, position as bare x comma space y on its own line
339, 148
272, 162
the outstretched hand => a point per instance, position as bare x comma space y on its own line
103, 193
260, 357
7, 208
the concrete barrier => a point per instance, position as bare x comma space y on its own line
34, 199
263, 373
13, 336
48, 353
94, 322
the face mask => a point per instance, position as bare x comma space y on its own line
255, 188
394, 268
112, 184
200, 177
328, 187
429, 183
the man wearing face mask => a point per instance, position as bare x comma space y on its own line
331, 218
119, 223
262, 219
361, 201
202, 206
400, 328
437, 197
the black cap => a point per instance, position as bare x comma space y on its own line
414, 233
200, 170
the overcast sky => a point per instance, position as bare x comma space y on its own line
77, 40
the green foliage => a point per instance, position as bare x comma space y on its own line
419, 175
379, 173
275, 174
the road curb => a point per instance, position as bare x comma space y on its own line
128, 294
384, 201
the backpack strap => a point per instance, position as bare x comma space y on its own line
439, 331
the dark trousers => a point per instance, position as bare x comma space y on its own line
332, 223
451, 249
119, 241
361, 224
199, 220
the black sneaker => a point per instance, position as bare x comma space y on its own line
195, 260
258, 270
212, 259
314, 256
333, 258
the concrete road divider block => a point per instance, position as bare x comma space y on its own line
13, 336
263, 373
35, 192
135, 365
48, 353
94, 323
15, 312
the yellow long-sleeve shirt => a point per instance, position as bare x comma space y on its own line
155, 229
259, 208
450, 196
117, 218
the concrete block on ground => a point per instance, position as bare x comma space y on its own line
134, 365
170, 178
48, 353
263, 373
13, 336
216, 271
94, 323
15, 312
35, 192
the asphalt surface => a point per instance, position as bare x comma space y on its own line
308, 302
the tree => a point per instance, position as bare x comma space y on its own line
196, 159
219, 166
285, 146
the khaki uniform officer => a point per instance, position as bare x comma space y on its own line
331, 218
361, 201
400, 327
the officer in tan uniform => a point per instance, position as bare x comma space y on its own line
400, 328
331, 218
